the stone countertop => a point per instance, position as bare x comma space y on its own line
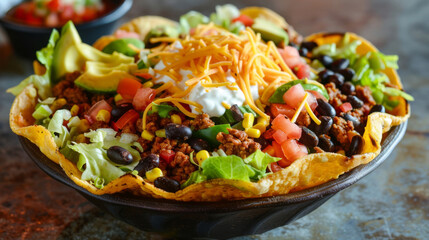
390, 203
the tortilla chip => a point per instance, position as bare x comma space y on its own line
306, 172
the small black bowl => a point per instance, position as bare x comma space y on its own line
26, 40
220, 220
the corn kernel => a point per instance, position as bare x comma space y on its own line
226, 105
148, 84
248, 120
83, 125
57, 104
264, 121
202, 155
260, 127
253, 132
176, 119
160, 133
80, 138
74, 110
147, 135
118, 97
103, 116
153, 174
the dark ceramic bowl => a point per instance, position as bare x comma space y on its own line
217, 219
26, 40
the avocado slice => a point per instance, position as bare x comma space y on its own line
102, 82
70, 54
122, 46
270, 31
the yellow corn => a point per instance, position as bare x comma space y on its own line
202, 155
261, 127
248, 120
103, 116
118, 97
265, 122
176, 119
226, 105
160, 133
147, 135
253, 132
148, 84
74, 110
153, 174
57, 104
80, 138
83, 125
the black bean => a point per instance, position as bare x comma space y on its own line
264, 142
377, 108
324, 75
324, 127
177, 131
354, 101
148, 163
167, 184
309, 45
308, 138
198, 144
303, 52
325, 60
325, 109
340, 64
348, 88
337, 78
347, 73
325, 143
236, 113
354, 120
356, 146
118, 111
292, 44
119, 155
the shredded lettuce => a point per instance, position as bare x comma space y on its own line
41, 82
260, 161
191, 20
58, 130
163, 110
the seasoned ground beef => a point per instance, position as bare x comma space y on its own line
98, 97
336, 98
129, 128
303, 119
66, 89
99, 124
237, 143
364, 93
340, 131
202, 121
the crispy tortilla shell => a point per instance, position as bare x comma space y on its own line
306, 172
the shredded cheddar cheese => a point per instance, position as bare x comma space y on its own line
299, 109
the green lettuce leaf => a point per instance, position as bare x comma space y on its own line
42, 83
163, 110
228, 167
191, 20
260, 161
58, 130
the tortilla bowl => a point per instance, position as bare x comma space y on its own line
223, 219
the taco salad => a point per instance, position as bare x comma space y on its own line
228, 106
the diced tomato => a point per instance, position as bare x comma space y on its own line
284, 162
52, 20
275, 167
291, 129
130, 116
128, 87
270, 150
279, 136
312, 101
293, 97
345, 107
291, 56
317, 95
278, 150
279, 108
67, 13
33, 20
301, 70
146, 76
303, 148
53, 5
93, 111
244, 19
89, 14
126, 34
143, 97
167, 155
269, 134
292, 150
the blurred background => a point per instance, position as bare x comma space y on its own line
390, 203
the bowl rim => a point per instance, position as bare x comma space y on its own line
111, 16
173, 206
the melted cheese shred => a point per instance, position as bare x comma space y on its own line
212, 54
